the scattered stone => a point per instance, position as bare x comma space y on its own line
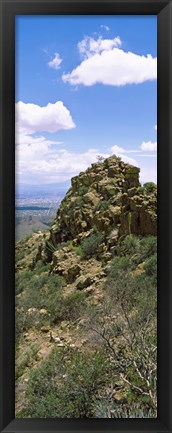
118, 396
45, 329
43, 311
53, 338
32, 310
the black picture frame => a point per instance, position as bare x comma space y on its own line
8, 10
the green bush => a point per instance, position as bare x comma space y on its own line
78, 202
77, 249
138, 409
65, 385
119, 265
90, 244
148, 246
26, 358
37, 291
140, 190
22, 280
102, 205
130, 290
120, 283
68, 307
131, 244
150, 267
83, 190
41, 267
150, 187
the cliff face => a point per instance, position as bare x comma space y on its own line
107, 196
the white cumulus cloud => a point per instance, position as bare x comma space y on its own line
37, 162
117, 149
149, 146
90, 46
32, 118
121, 152
36, 155
148, 175
106, 63
55, 62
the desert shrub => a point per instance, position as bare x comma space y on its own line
20, 324
77, 249
70, 246
78, 202
140, 190
148, 246
150, 267
129, 311
20, 254
108, 408
22, 280
41, 267
145, 301
83, 190
38, 280
26, 358
65, 385
131, 244
72, 305
133, 291
39, 291
138, 248
149, 187
90, 244
119, 265
68, 307
32, 291
52, 294
102, 205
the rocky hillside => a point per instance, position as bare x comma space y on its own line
103, 197
107, 199
85, 293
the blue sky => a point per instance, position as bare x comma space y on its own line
85, 86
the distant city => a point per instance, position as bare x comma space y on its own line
36, 208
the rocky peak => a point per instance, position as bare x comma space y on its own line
107, 196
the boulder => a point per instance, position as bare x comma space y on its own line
84, 281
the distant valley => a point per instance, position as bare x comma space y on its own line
35, 211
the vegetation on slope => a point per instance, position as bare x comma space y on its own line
120, 332
86, 310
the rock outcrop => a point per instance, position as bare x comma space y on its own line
107, 196
106, 201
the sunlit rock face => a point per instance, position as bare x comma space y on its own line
107, 196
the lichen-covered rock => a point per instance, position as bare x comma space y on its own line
66, 263
101, 199
84, 281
